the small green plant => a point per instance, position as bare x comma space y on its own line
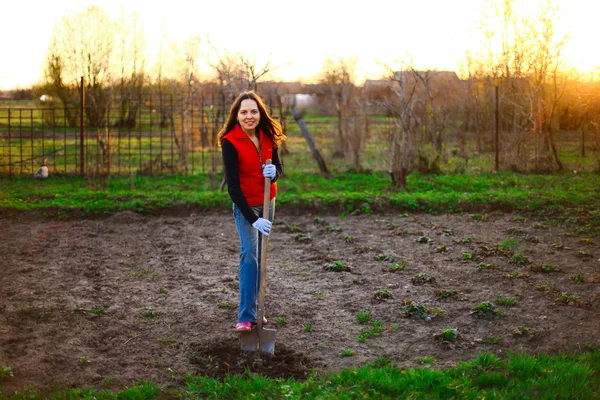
415, 309
449, 335
385, 257
447, 232
522, 331
149, 314
422, 278
5, 372
506, 301
542, 288
493, 340
442, 249
400, 231
427, 360
375, 330
320, 295
568, 298
224, 304
162, 291
509, 244
446, 293
391, 226
83, 361
383, 294
558, 246
519, 219
549, 268
302, 237
467, 256
395, 267
480, 217
533, 239
336, 266
281, 321
43, 314
363, 317
483, 266
584, 253
97, 311
467, 240
520, 259
319, 221
349, 239
486, 310
348, 353
333, 228
422, 239
307, 328
578, 278
409, 308
293, 227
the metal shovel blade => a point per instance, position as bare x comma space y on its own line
262, 340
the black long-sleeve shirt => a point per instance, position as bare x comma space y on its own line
232, 177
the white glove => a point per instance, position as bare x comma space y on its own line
269, 171
263, 226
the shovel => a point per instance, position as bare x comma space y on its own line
260, 338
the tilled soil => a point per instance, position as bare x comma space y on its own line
109, 302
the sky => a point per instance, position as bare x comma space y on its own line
296, 37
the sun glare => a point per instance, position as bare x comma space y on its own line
297, 38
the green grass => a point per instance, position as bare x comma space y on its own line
573, 196
518, 376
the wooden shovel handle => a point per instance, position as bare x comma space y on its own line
263, 256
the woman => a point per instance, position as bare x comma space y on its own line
249, 138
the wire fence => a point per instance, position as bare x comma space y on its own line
175, 136
153, 143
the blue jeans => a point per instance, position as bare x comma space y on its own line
250, 251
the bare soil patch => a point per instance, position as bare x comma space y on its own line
108, 302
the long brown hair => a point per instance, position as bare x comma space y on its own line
267, 124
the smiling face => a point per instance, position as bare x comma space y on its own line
248, 115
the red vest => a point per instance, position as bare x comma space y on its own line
250, 164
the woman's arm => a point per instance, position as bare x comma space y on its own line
278, 165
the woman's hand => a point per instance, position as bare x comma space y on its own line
269, 171
263, 225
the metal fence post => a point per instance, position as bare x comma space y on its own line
82, 130
497, 136
9, 148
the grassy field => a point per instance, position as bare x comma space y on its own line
566, 198
519, 376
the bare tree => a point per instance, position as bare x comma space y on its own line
402, 108
337, 79
131, 73
523, 57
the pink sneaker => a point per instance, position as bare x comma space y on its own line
243, 327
